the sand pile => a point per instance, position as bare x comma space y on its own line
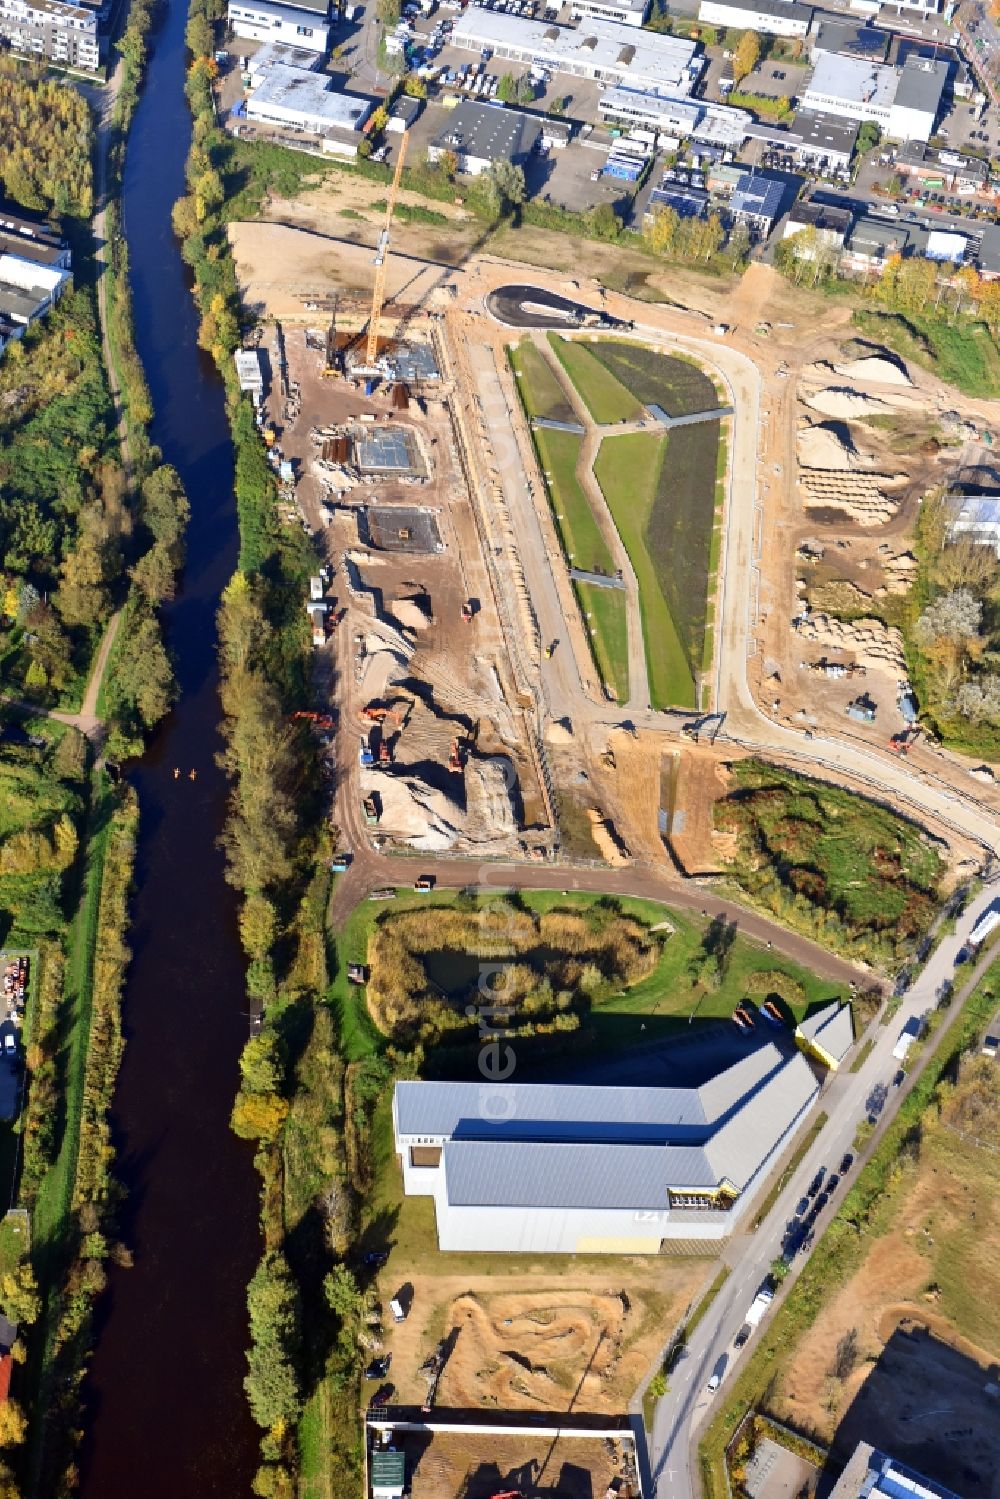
822, 446
605, 835
488, 785
560, 731
876, 646
899, 572
844, 403
859, 495
412, 613
413, 811
874, 370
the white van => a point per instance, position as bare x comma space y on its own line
396, 1308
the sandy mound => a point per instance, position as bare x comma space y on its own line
874, 370
606, 837
431, 820
488, 784
859, 495
410, 613
559, 732
840, 401
822, 446
875, 645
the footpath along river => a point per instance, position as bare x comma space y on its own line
166, 1416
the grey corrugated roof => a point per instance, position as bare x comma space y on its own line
554, 1111
921, 84
489, 132
989, 252
492, 1173
739, 1149
832, 1027
550, 1111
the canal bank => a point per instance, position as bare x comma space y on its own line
166, 1411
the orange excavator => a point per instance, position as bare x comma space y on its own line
318, 720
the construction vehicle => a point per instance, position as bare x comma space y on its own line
366, 757
549, 650
340, 863
382, 257
369, 808
384, 753
455, 757
467, 612
318, 720
425, 882
899, 744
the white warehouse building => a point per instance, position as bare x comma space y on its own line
772, 17
296, 25
604, 50
301, 100
684, 119
565, 1169
903, 102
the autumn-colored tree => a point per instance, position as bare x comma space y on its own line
746, 55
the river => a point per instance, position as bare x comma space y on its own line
166, 1414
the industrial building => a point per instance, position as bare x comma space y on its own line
265, 58
772, 17
904, 102
565, 1169
850, 39
756, 202
978, 517
680, 119
605, 50
628, 12
937, 169
824, 142
297, 99
989, 253
481, 134
250, 374
65, 34
827, 1034
870, 1474
269, 21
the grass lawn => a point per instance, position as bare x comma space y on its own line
605, 617
603, 609
672, 381
541, 392
582, 541
656, 1006
628, 471
963, 354
847, 871
604, 396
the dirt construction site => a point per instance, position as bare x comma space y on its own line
502, 751
455, 1464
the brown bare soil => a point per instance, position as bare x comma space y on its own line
458, 1466
528, 1342
922, 1312
700, 781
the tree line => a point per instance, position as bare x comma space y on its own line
46, 142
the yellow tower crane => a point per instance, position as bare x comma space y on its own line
382, 257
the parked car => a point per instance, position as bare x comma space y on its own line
802, 1206
833, 1183
376, 1258
10, 1045
379, 1367
817, 1181
383, 1395
821, 1201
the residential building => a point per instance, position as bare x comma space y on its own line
827, 1034
297, 99
831, 225
66, 34
756, 202
565, 1169
917, 103
605, 50
627, 12
851, 38
481, 134
296, 25
824, 142
871, 242
773, 17
978, 517
942, 169
870, 1474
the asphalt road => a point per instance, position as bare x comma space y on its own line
525, 307
683, 1411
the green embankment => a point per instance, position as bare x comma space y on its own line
604, 396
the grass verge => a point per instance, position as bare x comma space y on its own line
604, 396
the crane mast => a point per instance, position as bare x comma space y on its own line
382, 257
